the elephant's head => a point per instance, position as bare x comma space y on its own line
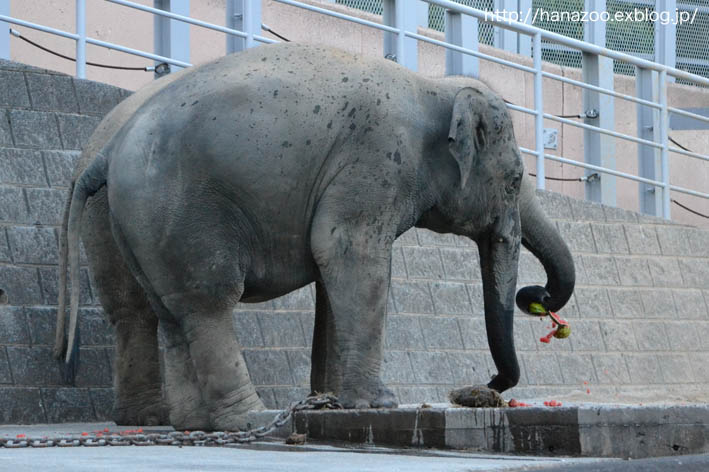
488, 199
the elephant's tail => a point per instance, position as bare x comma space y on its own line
87, 184
60, 336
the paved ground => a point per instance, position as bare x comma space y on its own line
266, 456
693, 463
276, 456
215, 459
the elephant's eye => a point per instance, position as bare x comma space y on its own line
499, 239
514, 185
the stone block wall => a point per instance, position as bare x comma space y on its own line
639, 316
639, 319
45, 118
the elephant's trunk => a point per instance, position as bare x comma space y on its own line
540, 236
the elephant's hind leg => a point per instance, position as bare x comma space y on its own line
185, 406
137, 382
138, 386
183, 394
221, 372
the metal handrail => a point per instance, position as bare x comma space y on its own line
569, 122
546, 74
595, 88
689, 114
585, 165
97, 42
44, 29
192, 21
565, 40
537, 34
689, 153
339, 15
469, 52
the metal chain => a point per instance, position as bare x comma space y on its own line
177, 438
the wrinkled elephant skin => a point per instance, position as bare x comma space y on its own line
254, 175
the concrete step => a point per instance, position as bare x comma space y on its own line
588, 430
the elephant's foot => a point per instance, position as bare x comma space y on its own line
149, 416
146, 409
190, 415
477, 396
231, 413
375, 395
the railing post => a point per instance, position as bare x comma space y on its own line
252, 21
396, 46
234, 17
599, 149
524, 42
649, 160
5, 37
664, 140
172, 37
461, 30
666, 35
81, 42
504, 38
539, 108
242, 15
507, 39
422, 13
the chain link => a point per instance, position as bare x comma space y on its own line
177, 438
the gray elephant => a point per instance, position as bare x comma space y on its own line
256, 174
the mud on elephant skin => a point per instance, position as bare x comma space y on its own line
251, 176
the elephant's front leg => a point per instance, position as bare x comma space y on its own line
354, 263
499, 255
320, 369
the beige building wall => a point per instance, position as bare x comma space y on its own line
132, 28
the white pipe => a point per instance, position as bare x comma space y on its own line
248, 24
81, 41
593, 167
539, 106
175, 16
664, 140
688, 153
689, 192
137, 52
335, 14
44, 29
602, 130
565, 40
600, 89
470, 52
96, 42
689, 114
400, 32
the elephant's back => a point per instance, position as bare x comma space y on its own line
273, 112
119, 116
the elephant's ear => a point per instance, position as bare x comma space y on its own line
467, 135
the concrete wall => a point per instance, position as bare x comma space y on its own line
134, 29
640, 324
45, 118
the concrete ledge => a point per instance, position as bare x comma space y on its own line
588, 430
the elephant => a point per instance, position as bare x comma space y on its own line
260, 172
